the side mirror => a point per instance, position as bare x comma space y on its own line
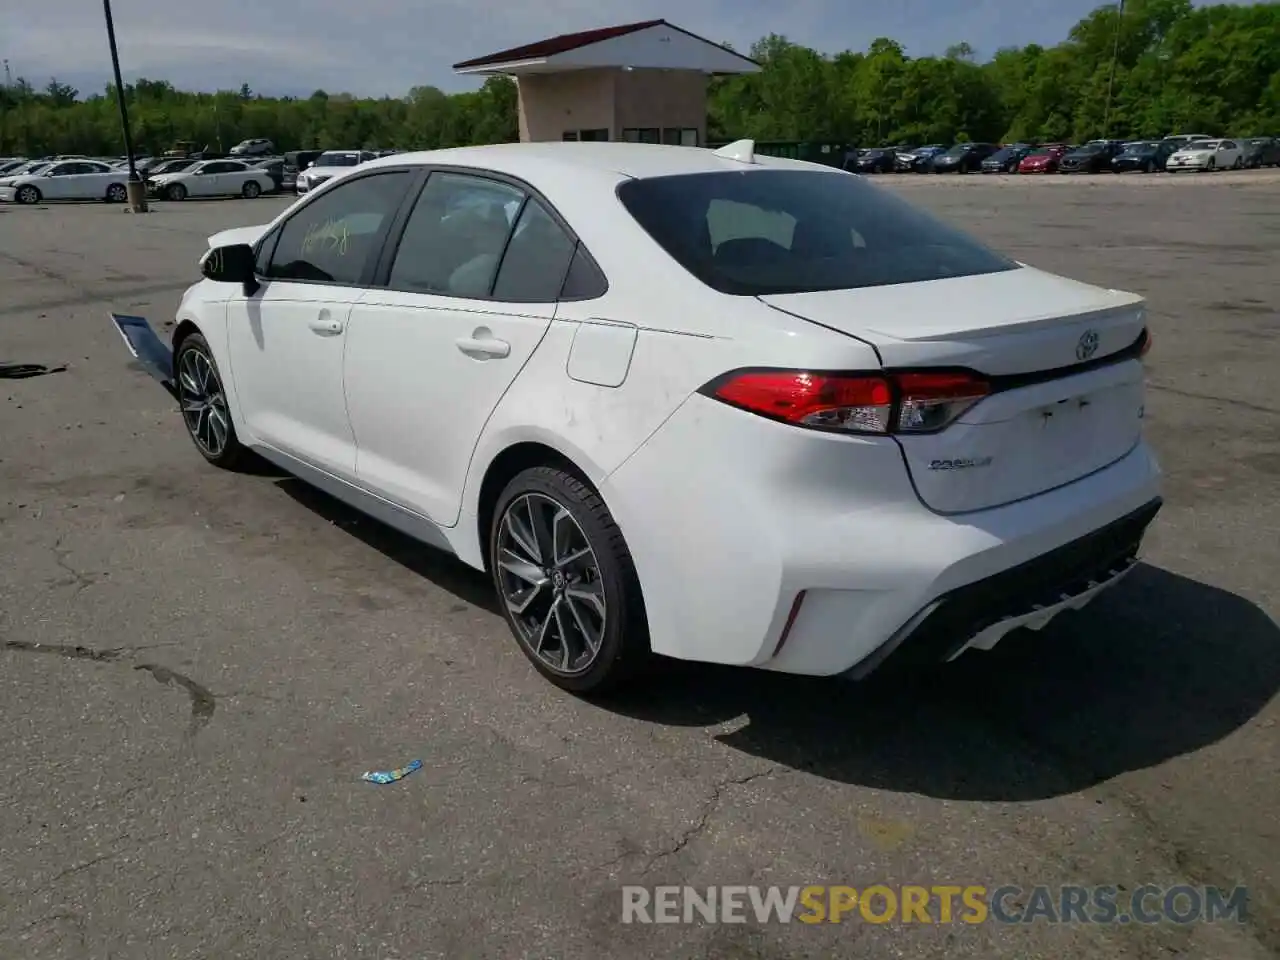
233, 264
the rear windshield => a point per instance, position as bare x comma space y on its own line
338, 160
759, 232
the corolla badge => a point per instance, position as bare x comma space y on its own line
1088, 345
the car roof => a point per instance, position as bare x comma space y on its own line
551, 158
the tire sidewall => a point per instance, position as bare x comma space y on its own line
617, 656
176, 192
28, 194
251, 190
114, 197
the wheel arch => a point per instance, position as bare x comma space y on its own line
508, 463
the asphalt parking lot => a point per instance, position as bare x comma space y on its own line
196, 667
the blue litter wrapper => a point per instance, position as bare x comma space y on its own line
391, 776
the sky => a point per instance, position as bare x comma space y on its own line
385, 47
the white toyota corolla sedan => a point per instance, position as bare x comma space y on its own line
712, 405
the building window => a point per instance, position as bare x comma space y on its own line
671, 136
689, 137
594, 136
569, 135
642, 135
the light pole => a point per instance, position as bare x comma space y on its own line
137, 192
1111, 77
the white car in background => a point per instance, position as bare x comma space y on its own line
211, 178
714, 405
66, 180
1207, 155
330, 164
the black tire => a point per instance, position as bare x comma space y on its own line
623, 647
1148, 167
189, 358
1239, 164
27, 194
175, 191
1211, 165
251, 190
116, 193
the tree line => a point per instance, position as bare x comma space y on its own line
1145, 68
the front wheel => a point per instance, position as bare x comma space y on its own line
1239, 164
204, 404
566, 582
28, 195
251, 190
176, 191
1211, 165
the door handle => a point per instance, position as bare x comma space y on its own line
482, 348
326, 325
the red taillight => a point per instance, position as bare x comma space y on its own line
1146, 344
905, 402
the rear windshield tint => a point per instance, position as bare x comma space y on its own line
758, 232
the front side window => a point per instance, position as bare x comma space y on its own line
788, 231
335, 238
454, 238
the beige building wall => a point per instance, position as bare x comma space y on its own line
551, 103
661, 98
613, 100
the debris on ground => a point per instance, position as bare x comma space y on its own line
391, 776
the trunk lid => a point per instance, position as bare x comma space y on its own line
1058, 410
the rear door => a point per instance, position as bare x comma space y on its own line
469, 292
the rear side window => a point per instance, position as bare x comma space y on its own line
759, 232
537, 258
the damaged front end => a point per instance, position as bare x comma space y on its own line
152, 353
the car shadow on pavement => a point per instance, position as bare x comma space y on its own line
1158, 667
443, 569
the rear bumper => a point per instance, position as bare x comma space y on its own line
979, 615
759, 544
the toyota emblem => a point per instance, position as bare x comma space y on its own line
1088, 345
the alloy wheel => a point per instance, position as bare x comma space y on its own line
28, 195
550, 581
117, 193
204, 405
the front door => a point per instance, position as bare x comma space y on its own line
286, 342
430, 355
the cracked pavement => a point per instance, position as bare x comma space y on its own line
196, 668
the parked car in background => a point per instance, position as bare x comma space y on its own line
1043, 159
22, 169
1093, 157
1006, 159
963, 158
850, 431
1205, 155
919, 160
1146, 156
10, 164
875, 160
1261, 152
172, 165
67, 180
328, 165
295, 161
1180, 140
211, 178
273, 167
253, 148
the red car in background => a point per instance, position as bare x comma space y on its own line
1043, 159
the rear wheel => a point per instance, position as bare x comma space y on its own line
28, 194
116, 193
204, 404
251, 190
566, 582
